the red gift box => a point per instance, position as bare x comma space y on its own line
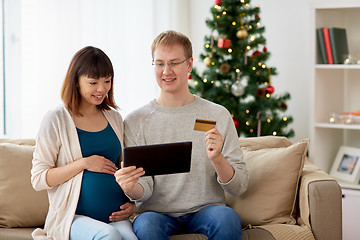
224, 43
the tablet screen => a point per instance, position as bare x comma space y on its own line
158, 159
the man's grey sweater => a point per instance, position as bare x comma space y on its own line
179, 194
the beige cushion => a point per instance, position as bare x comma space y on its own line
20, 204
273, 181
256, 143
20, 141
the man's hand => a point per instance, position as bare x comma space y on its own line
214, 142
127, 178
126, 210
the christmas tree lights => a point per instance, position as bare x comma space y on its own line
236, 74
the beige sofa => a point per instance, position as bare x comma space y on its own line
288, 197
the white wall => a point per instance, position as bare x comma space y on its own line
288, 39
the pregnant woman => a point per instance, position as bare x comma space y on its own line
78, 149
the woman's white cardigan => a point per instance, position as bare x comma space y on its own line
57, 144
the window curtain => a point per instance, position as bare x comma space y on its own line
41, 36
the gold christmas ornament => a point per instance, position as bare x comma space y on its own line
207, 61
242, 33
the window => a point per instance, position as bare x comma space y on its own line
41, 37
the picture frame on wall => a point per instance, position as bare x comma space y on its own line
346, 166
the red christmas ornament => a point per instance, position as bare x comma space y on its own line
265, 49
224, 43
236, 122
218, 2
257, 52
189, 76
270, 89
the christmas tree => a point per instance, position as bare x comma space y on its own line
236, 75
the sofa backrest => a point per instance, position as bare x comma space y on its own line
20, 204
274, 165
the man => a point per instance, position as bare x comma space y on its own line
191, 202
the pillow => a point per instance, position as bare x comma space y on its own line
20, 204
273, 181
20, 141
256, 143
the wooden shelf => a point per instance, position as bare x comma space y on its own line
338, 126
334, 87
337, 66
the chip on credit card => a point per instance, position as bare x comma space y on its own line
204, 125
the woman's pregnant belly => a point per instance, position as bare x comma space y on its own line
100, 196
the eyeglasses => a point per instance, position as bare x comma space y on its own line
172, 65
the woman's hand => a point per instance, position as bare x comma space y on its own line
100, 164
126, 210
58, 175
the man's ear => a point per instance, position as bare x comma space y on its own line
190, 65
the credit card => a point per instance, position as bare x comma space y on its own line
204, 125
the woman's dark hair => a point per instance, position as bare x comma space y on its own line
91, 62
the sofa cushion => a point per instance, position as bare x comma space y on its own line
20, 141
256, 143
273, 181
20, 204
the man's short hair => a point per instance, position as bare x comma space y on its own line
170, 38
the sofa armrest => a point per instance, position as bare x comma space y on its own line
320, 203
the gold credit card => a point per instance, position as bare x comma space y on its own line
204, 125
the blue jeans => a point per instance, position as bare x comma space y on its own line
216, 222
86, 228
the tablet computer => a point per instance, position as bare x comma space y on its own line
159, 159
